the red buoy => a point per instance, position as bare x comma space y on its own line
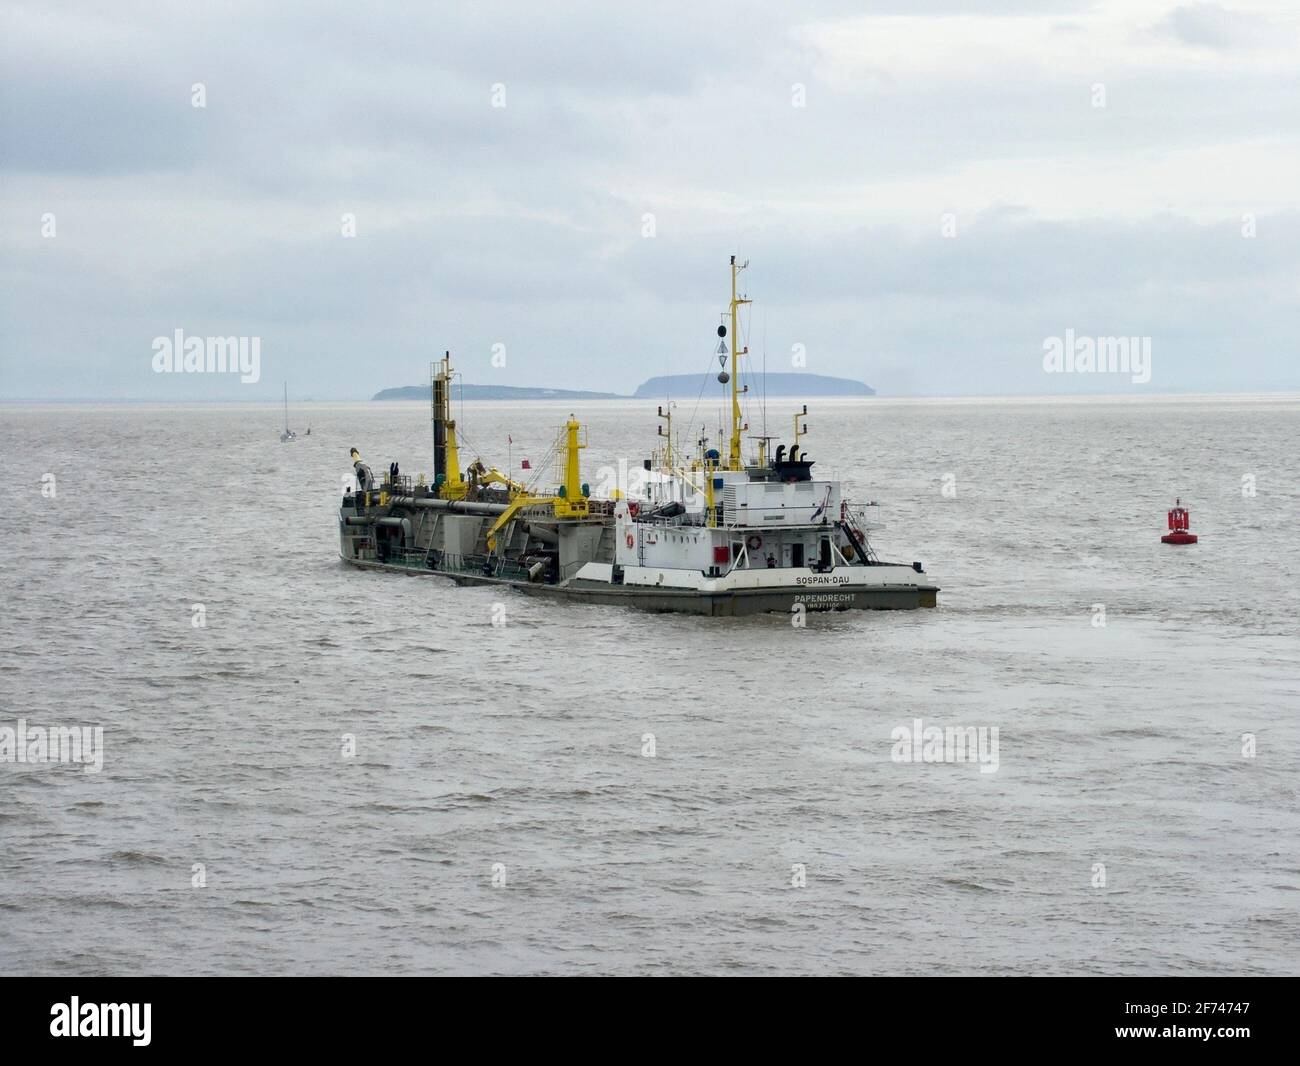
1179, 520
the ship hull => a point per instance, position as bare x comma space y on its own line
727, 604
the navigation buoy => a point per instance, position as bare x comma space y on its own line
1179, 520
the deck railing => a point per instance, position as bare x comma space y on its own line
454, 563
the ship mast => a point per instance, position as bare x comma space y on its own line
447, 479
667, 434
734, 462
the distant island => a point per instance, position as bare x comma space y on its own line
773, 385
494, 392
669, 385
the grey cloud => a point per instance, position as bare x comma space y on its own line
1214, 26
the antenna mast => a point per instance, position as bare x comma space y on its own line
734, 461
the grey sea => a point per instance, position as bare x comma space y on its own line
309, 769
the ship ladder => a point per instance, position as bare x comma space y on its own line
858, 549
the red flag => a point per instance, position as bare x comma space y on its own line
525, 465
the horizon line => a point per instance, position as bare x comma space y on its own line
1279, 390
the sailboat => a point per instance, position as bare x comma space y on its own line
287, 434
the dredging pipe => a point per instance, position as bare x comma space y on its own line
454, 506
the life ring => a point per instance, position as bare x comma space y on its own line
755, 542
632, 509
631, 540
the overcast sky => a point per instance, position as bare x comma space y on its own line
836, 146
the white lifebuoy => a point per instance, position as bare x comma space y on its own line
755, 542
631, 540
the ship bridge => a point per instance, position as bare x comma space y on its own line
783, 503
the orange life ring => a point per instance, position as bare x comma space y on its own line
631, 540
755, 542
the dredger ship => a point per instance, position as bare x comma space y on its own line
707, 533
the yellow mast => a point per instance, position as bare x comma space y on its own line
734, 461
453, 486
572, 503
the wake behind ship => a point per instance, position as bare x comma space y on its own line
703, 534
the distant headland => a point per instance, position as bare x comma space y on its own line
669, 385
772, 384
494, 392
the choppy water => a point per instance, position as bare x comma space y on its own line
522, 744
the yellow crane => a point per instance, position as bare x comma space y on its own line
570, 502
483, 476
